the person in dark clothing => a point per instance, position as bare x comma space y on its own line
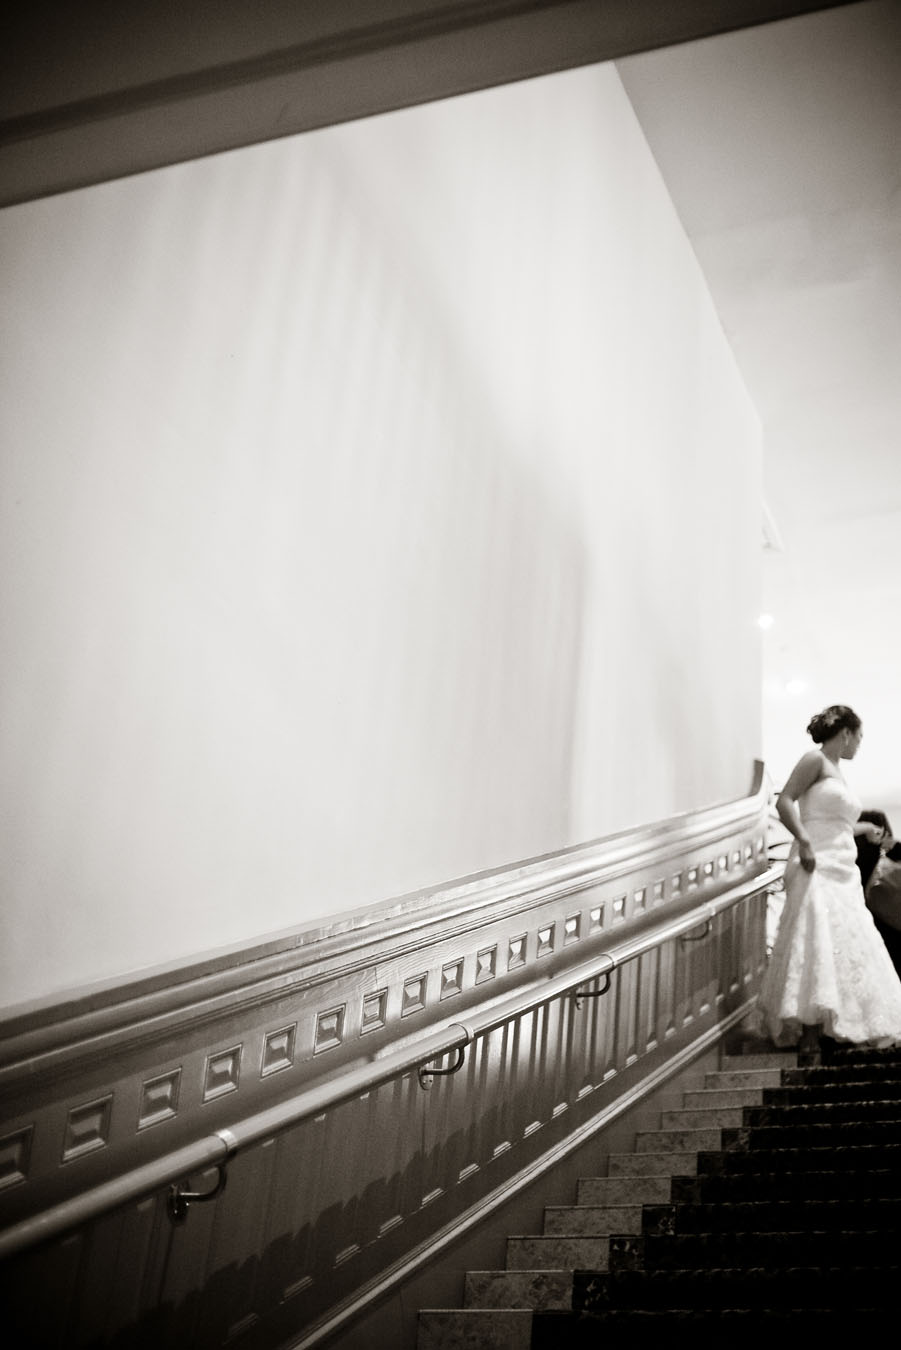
870, 850
883, 896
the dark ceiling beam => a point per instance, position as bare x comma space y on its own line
103, 89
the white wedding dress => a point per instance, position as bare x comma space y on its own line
829, 966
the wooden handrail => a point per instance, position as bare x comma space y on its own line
216, 1149
48, 1033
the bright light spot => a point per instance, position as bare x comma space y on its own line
765, 621
796, 686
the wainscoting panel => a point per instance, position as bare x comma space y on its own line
564, 984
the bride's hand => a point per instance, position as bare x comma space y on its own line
806, 856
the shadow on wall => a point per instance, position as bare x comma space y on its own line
296, 628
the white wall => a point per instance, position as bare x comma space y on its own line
379, 505
815, 653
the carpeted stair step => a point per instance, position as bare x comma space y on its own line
816, 1134
851, 1091
704, 1251
828, 1074
856, 1054
774, 1216
737, 1329
790, 1114
766, 1208
786, 1287
856, 1157
734, 1187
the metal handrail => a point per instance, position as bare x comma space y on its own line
216, 1150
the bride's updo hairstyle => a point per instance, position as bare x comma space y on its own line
828, 723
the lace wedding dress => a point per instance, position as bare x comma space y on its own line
829, 966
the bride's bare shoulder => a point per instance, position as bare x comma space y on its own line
809, 768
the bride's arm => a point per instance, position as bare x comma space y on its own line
805, 773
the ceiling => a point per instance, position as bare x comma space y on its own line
99, 90
781, 149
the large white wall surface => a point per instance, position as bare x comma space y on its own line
378, 506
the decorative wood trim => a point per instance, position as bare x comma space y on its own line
87, 1128
276, 73
111, 1079
293, 1238
111, 1018
159, 1099
15, 1151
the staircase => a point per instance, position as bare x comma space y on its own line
768, 1206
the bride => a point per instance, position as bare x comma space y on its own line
829, 972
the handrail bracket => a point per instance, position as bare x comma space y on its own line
427, 1076
178, 1201
698, 937
579, 994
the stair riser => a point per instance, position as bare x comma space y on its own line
824, 1113
819, 1135
826, 1076
531, 1289
874, 1090
744, 1078
720, 1118
855, 1055
761, 1249
786, 1186
724, 1099
624, 1190
558, 1253
789, 1288
592, 1220
735, 1329
497, 1329
742, 1063
835, 1217
677, 1141
649, 1164
886, 1157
